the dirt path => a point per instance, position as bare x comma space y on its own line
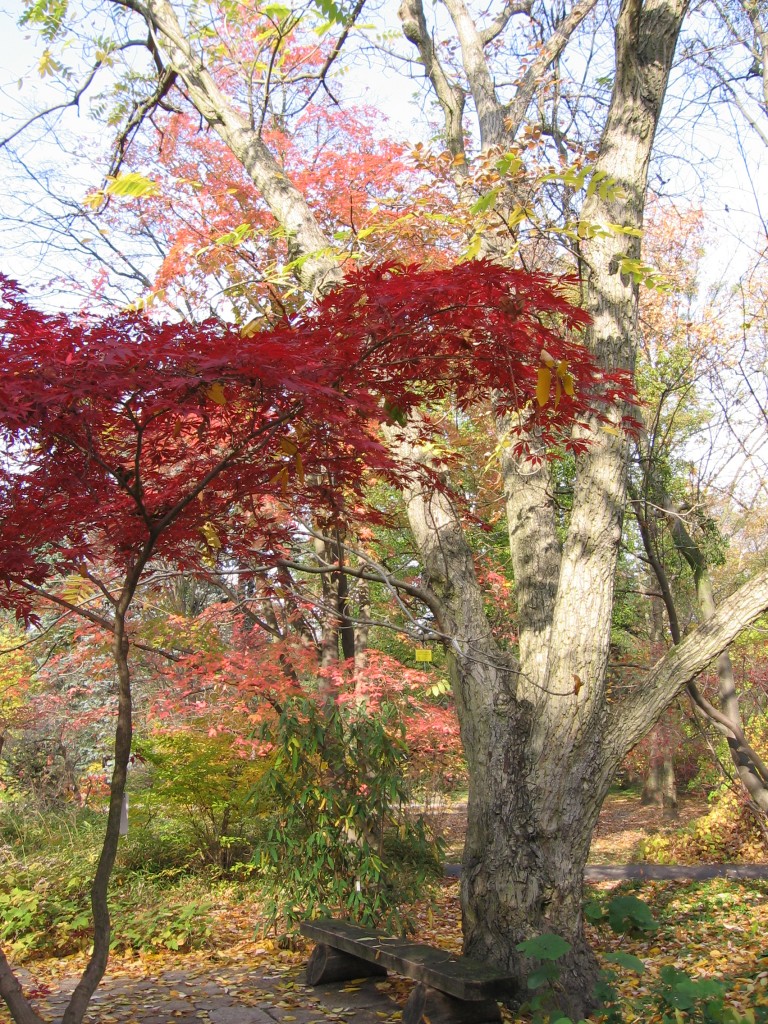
624, 823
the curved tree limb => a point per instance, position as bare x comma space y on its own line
631, 719
449, 94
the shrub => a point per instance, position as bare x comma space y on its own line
729, 833
337, 840
48, 865
190, 802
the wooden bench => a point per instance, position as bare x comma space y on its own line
452, 989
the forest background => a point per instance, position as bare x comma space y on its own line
518, 570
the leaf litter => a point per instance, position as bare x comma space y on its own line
715, 929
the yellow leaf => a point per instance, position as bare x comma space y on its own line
252, 327
216, 394
47, 65
544, 385
288, 446
547, 359
211, 536
94, 199
280, 479
568, 384
300, 469
132, 185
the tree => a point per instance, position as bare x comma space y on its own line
542, 728
686, 351
146, 441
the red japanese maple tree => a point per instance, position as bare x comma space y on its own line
125, 440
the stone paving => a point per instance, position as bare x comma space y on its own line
225, 995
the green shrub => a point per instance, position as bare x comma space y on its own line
337, 840
49, 860
190, 803
148, 916
676, 998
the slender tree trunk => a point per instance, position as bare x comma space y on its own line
10, 990
749, 766
13, 994
660, 788
94, 971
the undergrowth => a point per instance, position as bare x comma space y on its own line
728, 833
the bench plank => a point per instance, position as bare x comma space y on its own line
455, 975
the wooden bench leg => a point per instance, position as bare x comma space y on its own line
427, 1004
327, 964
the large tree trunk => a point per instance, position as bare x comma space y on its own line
541, 770
542, 738
533, 797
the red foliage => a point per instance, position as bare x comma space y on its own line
123, 436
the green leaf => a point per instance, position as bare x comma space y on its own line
593, 911
509, 163
486, 202
627, 960
474, 247
235, 236
546, 947
330, 11
48, 15
133, 185
278, 12
543, 974
628, 913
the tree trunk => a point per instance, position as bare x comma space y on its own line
97, 963
750, 768
529, 830
660, 788
10, 990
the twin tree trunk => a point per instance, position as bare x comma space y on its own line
542, 740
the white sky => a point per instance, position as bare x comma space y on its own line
715, 174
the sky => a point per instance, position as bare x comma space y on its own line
732, 185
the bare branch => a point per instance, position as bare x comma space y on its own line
514, 111
497, 26
449, 94
73, 101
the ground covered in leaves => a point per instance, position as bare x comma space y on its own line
716, 929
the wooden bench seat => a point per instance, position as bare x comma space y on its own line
452, 989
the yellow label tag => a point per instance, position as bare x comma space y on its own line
423, 654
